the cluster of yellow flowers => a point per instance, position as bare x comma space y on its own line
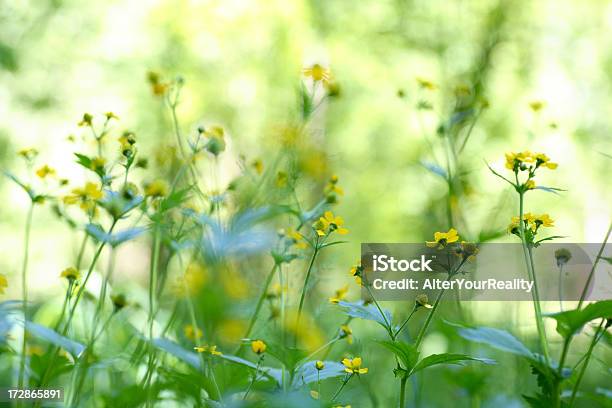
527, 160
212, 350
531, 222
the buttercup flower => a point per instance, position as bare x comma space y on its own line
346, 333
297, 239
45, 171
339, 295
543, 160
127, 142
3, 283
111, 115
317, 73
258, 346
28, 154
357, 271
86, 196
353, 366
212, 350
191, 332
331, 223
543, 220
156, 188
319, 365
71, 274
441, 239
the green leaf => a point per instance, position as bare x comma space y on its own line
496, 338
607, 259
499, 175
549, 189
366, 312
113, 239
50, 335
307, 373
571, 321
405, 352
447, 358
435, 169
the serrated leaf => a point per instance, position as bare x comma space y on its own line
73, 347
405, 352
571, 321
367, 312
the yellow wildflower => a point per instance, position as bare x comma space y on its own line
45, 171
543, 160
158, 87
71, 274
530, 184
3, 283
86, 120
331, 223
258, 346
353, 366
356, 272
339, 295
317, 73
111, 115
192, 333
537, 106
441, 239
156, 188
346, 333
86, 196
332, 186
319, 365
543, 220
216, 140
127, 142
28, 154
208, 349
97, 164
297, 239
258, 166
426, 84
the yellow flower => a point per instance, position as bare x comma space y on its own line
530, 184
3, 283
86, 120
356, 272
86, 196
332, 186
97, 164
423, 301
518, 160
317, 73
208, 349
353, 366
441, 239
426, 84
331, 222
339, 295
192, 333
314, 394
258, 346
28, 154
537, 106
127, 142
297, 239
45, 171
258, 166
346, 333
216, 140
111, 115
543, 160
158, 87
543, 220
319, 365
156, 188
71, 274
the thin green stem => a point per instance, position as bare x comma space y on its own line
387, 323
423, 330
308, 272
535, 293
402, 400
152, 289
414, 309
24, 292
246, 393
339, 390
594, 341
260, 300
590, 278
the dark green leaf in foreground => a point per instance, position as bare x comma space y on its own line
405, 352
572, 321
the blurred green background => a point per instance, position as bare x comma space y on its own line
242, 62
